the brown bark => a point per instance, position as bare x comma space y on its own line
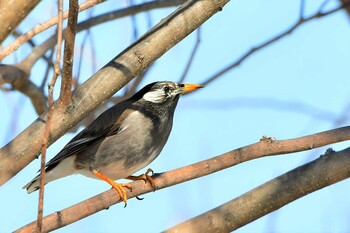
12, 13
18, 78
39, 28
322, 172
68, 58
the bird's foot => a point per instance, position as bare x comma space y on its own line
145, 177
118, 187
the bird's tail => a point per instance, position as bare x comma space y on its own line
33, 185
64, 168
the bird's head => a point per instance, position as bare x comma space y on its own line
165, 91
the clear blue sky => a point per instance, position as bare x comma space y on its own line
266, 95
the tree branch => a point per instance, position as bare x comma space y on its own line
40, 28
67, 71
288, 31
322, 172
193, 53
266, 147
12, 13
47, 127
118, 72
19, 80
49, 43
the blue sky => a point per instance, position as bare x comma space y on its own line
308, 68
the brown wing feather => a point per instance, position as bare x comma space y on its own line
107, 124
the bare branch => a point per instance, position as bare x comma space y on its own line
273, 104
322, 172
40, 28
272, 40
10, 17
302, 9
266, 147
67, 71
47, 128
194, 51
18, 79
49, 43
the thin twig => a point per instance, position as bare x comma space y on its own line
272, 40
135, 32
49, 43
194, 51
87, 36
323, 5
39, 224
131, 89
268, 103
148, 17
48, 68
40, 28
302, 9
17, 34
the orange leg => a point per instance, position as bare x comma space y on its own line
118, 187
145, 177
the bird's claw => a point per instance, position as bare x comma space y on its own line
145, 177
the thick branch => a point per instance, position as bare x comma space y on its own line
101, 86
322, 172
263, 148
12, 13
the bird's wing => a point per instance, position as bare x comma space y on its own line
107, 124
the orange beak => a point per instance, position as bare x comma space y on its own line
186, 88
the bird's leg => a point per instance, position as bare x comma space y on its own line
118, 187
145, 177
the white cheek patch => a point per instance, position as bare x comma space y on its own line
155, 96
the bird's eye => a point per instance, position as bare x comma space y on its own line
166, 89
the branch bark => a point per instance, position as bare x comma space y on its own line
266, 147
12, 13
118, 72
39, 28
67, 71
40, 50
322, 172
18, 78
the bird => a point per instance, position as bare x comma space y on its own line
124, 139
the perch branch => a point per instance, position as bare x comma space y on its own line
266, 147
278, 192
